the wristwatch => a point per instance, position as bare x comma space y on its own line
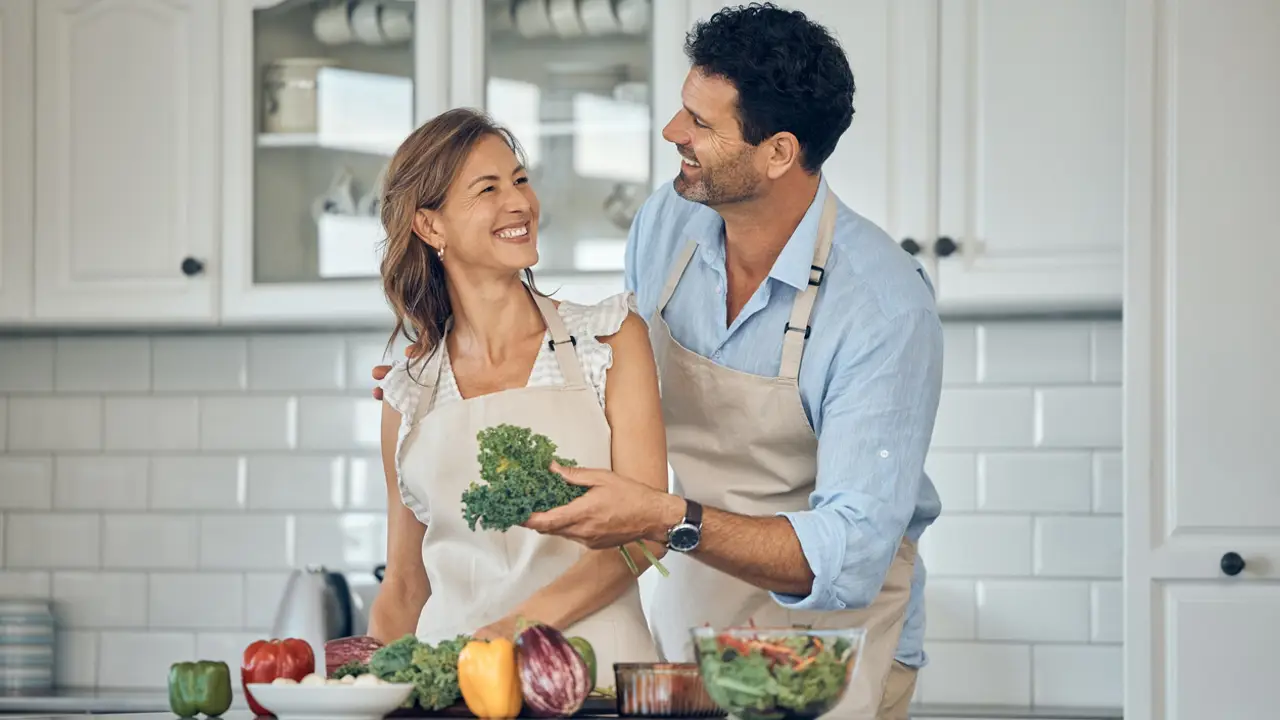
685, 536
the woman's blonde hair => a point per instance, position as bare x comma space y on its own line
419, 176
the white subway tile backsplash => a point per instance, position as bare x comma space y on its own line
1107, 612
1108, 353
1033, 610
26, 365
249, 423
251, 542
951, 611
108, 364
1034, 482
954, 476
76, 659
141, 660
366, 483
100, 482
227, 647
26, 482
152, 423
297, 362
1078, 417
977, 546
150, 542
977, 673
51, 422
17, 583
1078, 675
1008, 419
1079, 546
297, 482
1030, 353
198, 601
349, 540
100, 599
959, 353
340, 423
204, 364
49, 541
193, 482
1108, 483
262, 592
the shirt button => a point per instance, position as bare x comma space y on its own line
884, 453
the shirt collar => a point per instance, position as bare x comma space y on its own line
796, 259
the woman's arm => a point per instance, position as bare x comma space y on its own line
404, 582
634, 412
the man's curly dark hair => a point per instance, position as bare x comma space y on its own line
790, 73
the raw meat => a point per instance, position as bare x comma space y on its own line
341, 651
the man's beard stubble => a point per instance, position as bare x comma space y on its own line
734, 181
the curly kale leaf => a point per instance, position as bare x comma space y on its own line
394, 657
432, 670
350, 667
515, 467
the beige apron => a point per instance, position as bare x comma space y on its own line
477, 577
742, 443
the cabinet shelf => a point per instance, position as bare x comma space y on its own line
382, 146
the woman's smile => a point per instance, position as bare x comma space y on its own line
518, 233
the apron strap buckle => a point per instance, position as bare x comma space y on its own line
552, 342
822, 273
790, 328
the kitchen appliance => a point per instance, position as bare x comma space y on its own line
316, 607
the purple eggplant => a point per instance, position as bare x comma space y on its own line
554, 678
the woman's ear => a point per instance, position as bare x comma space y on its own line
426, 225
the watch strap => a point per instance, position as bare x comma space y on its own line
693, 513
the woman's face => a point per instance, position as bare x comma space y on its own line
489, 219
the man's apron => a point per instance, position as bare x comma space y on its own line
478, 577
742, 443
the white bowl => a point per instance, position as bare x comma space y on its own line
330, 702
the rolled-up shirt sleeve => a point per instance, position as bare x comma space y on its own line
877, 419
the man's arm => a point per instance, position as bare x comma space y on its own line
876, 423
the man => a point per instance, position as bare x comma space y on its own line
800, 357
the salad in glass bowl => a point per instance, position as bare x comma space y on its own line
764, 673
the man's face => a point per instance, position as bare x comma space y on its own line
718, 166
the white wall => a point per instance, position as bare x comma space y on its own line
160, 487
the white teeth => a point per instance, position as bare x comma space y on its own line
513, 232
689, 162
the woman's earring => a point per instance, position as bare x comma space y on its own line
441, 253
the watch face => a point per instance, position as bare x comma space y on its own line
684, 538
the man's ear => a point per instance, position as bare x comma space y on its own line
426, 224
782, 153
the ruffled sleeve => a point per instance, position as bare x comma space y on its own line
402, 393
589, 323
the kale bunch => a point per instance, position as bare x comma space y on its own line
432, 670
515, 465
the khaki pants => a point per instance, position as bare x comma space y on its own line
898, 690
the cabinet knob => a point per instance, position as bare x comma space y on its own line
945, 246
1232, 563
911, 246
192, 267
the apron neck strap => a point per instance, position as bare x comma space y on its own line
677, 270
797, 330
426, 374
562, 343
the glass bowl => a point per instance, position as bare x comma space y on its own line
662, 690
777, 673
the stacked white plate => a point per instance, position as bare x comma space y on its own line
26, 645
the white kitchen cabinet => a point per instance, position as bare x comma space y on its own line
1202, 550
126, 171
17, 131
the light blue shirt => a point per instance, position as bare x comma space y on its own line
869, 382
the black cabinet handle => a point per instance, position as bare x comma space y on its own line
911, 246
1232, 563
945, 246
192, 267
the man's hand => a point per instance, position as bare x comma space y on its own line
504, 628
614, 511
380, 371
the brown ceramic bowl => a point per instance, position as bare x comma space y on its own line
663, 690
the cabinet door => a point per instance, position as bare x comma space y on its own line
1201, 398
1031, 154
126, 172
17, 52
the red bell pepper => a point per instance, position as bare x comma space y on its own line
266, 660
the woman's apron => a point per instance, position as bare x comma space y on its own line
743, 443
478, 577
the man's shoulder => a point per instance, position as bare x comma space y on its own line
867, 269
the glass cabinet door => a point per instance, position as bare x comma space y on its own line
334, 96
572, 79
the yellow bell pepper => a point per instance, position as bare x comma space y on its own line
489, 680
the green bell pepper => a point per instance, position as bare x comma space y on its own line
588, 654
199, 687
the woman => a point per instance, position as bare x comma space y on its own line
462, 226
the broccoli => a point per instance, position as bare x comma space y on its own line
515, 466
